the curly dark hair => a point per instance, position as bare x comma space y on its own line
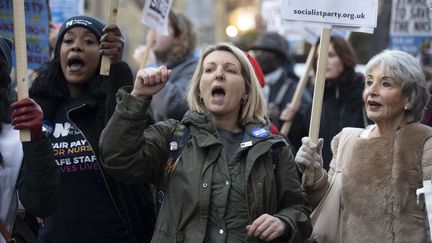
5, 82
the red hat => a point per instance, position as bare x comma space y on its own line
260, 75
257, 68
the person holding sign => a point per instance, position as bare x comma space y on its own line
271, 50
26, 167
342, 104
77, 103
177, 52
380, 167
225, 186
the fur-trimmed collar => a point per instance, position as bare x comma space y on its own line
380, 178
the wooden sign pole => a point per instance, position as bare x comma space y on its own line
149, 45
308, 176
296, 100
112, 19
21, 57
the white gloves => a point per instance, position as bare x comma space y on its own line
309, 154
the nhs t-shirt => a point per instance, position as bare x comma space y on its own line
85, 211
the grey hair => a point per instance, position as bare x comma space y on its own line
407, 72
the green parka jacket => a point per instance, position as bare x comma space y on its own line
133, 150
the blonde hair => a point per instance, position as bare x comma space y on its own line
253, 109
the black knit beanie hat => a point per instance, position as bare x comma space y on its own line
94, 24
6, 50
274, 42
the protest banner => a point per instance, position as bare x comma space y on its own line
333, 12
112, 19
155, 15
410, 25
21, 56
341, 13
271, 11
63, 9
36, 29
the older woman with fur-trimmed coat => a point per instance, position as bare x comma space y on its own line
381, 166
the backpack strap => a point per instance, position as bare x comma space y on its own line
179, 140
275, 154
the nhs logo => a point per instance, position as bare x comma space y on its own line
61, 129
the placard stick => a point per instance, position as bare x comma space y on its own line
21, 57
308, 176
112, 19
296, 100
149, 45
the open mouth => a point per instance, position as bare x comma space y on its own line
373, 104
75, 63
218, 92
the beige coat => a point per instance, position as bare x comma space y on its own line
379, 181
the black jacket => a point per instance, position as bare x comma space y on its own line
298, 128
342, 107
39, 179
90, 113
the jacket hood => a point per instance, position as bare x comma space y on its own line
200, 120
204, 121
255, 131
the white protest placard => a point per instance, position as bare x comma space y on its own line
410, 25
310, 33
336, 12
155, 15
410, 18
271, 11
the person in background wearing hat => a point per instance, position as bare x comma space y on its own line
26, 167
77, 102
271, 50
177, 52
342, 105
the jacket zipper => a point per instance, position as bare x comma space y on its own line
100, 167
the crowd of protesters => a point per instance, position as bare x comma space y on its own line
188, 149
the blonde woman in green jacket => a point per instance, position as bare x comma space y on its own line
225, 187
